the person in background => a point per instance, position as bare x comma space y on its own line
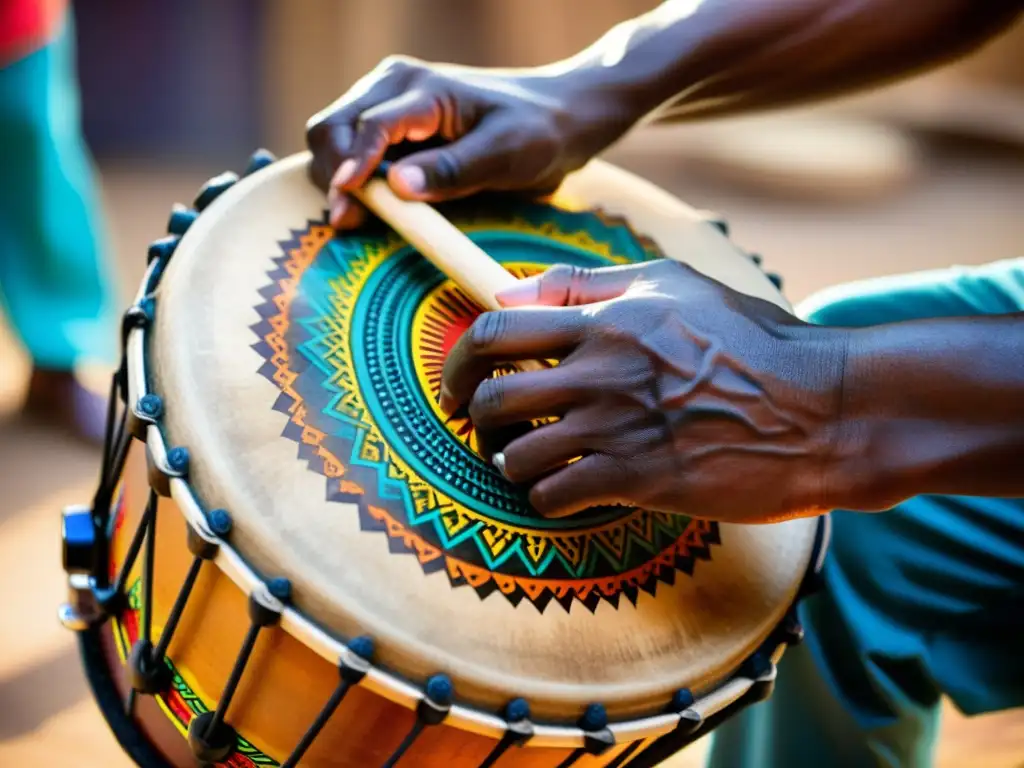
53, 283
901, 395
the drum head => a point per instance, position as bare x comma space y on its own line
301, 369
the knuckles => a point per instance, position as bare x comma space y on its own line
538, 145
487, 330
487, 402
446, 170
399, 65
317, 132
562, 284
542, 500
400, 70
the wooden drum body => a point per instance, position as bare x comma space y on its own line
294, 559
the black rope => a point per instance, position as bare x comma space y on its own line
115, 449
318, 725
119, 458
495, 754
179, 607
136, 545
147, 571
518, 731
108, 435
101, 681
236, 676
432, 710
622, 757
407, 742
573, 757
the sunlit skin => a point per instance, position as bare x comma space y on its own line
679, 393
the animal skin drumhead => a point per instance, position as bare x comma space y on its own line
301, 368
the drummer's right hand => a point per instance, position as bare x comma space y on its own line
501, 130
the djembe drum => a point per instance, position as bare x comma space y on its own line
293, 558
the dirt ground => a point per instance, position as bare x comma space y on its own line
965, 209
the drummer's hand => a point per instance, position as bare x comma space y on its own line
680, 394
497, 130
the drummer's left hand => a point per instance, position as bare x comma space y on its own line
679, 393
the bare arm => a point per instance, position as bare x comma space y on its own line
525, 129
932, 406
693, 59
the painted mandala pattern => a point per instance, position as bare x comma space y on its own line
355, 331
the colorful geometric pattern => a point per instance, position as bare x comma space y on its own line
355, 330
180, 703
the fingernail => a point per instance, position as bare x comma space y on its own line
345, 172
447, 401
498, 460
412, 178
526, 291
338, 209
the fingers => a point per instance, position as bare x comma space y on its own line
539, 451
483, 158
467, 165
357, 149
594, 480
349, 138
331, 132
504, 337
563, 285
345, 211
414, 115
526, 396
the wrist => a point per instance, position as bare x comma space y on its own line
592, 112
630, 71
811, 364
869, 470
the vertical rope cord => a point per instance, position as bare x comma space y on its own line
573, 758
147, 570
313, 731
115, 451
176, 611
496, 754
628, 752
136, 545
108, 438
236, 676
407, 742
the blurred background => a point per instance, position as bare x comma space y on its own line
926, 174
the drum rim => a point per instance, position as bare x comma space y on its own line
730, 691
378, 679
639, 682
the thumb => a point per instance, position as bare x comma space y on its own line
565, 286
480, 160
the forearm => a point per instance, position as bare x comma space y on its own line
931, 406
690, 59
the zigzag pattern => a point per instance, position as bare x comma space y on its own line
180, 702
307, 339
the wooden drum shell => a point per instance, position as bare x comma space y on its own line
285, 683
185, 370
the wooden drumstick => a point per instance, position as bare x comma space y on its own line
444, 245
447, 248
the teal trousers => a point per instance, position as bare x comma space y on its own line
918, 602
53, 283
